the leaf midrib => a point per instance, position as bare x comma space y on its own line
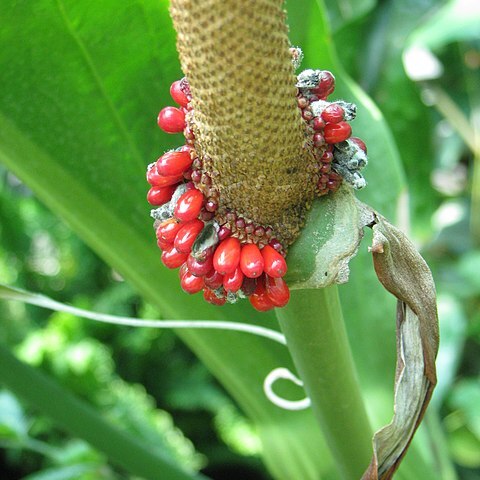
91, 67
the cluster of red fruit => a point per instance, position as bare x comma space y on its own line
219, 252
210, 258
327, 123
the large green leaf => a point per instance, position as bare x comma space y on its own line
82, 84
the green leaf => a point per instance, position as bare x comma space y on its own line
83, 85
456, 21
345, 11
71, 472
13, 424
80, 419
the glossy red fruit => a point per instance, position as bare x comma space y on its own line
157, 180
223, 233
251, 261
318, 140
275, 264
187, 235
211, 297
189, 205
201, 268
227, 255
333, 113
163, 245
183, 270
213, 279
277, 291
259, 299
167, 230
160, 195
173, 163
190, 283
171, 258
337, 132
359, 142
326, 86
233, 281
327, 157
171, 120
318, 124
177, 93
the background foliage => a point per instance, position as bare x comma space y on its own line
81, 85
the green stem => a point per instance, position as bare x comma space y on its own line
81, 420
313, 325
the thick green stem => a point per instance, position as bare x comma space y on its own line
313, 325
81, 420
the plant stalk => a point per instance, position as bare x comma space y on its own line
316, 337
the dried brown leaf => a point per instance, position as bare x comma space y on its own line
405, 274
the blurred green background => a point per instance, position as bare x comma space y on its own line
420, 63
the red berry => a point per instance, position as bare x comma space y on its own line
318, 124
327, 157
201, 268
259, 299
359, 142
277, 291
233, 281
160, 195
183, 270
275, 264
318, 140
227, 256
163, 245
171, 120
173, 163
213, 279
157, 180
251, 261
275, 244
307, 115
173, 259
333, 113
196, 176
259, 231
187, 235
337, 132
191, 284
224, 232
167, 230
211, 297
189, 205
211, 206
326, 85
177, 93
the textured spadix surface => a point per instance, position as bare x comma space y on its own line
253, 144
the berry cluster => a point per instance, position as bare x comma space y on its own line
218, 250
227, 259
330, 132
